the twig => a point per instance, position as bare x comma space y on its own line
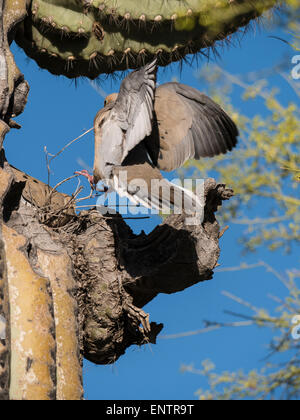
47, 165
243, 266
69, 144
213, 327
86, 206
254, 319
223, 231
63, 181
86, 198
240, 301
58, 185
261, 221
65, 207
52, 157
78, 189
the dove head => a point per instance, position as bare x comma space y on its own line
110, 98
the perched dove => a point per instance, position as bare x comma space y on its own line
145, 129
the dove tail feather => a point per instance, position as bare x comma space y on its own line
168, 198
186, 199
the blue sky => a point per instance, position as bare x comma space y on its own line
56, 113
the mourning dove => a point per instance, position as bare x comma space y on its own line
145, 129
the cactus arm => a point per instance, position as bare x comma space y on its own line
87, 38
31, 325
57, 269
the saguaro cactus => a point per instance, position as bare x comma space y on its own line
90, 37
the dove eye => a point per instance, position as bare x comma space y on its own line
105, 102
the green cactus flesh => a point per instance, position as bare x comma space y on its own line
89, 37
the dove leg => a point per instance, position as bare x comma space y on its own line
91, 180
89, 177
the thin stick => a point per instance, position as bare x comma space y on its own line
92, 195
212, 327
67, 205
47, 164
223, 231
77, 188
86, 206
240, 301
49, 160
58, 185
69, 144
62, 182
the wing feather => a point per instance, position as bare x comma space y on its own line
190, 125
133, 109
